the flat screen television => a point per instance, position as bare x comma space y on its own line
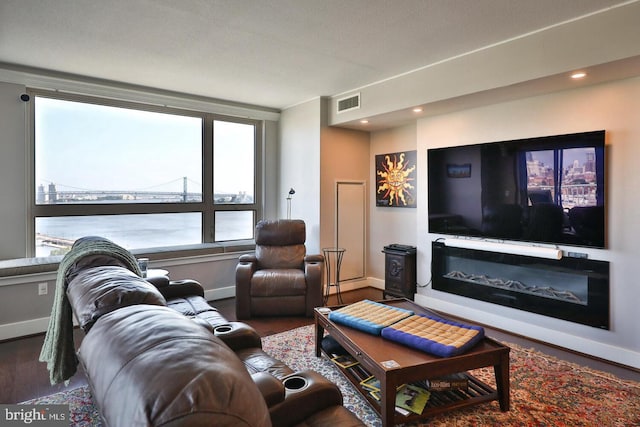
548, 189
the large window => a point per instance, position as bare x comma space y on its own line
141, 176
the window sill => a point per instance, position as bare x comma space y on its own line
25, 266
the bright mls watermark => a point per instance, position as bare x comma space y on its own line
34, 415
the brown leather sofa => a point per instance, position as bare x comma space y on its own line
280, 279
160, 355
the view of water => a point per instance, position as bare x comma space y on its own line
140, 231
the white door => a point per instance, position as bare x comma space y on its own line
350, 227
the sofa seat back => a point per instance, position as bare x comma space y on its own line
278, 282
96, 291
280, 244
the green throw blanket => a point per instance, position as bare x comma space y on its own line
58, 349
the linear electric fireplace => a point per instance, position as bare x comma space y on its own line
573, 289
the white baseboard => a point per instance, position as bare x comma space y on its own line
375, 283
24, 328
558, 338
220, 293
352, 285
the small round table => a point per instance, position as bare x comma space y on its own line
333, 261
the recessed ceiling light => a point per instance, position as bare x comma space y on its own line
417, 110
364, 122
578, 75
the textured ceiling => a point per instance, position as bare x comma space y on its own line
272, 53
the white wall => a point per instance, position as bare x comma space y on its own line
299, 167
613, 107
270, 164
392, 225
13, 207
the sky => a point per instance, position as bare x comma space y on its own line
568, 156
94, 147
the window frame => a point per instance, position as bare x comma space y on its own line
206, 207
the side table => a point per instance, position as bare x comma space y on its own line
332, 262
157, 272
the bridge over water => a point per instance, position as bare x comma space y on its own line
100, 195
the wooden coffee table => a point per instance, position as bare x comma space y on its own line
394, 364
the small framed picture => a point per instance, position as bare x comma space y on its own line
459, 171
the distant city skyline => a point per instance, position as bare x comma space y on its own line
569, 155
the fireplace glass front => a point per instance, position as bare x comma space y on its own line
573, 289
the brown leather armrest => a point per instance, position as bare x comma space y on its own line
247, 258
158, 281
318, 394
314, 274
314, 258
270, 387
247, 265
238, 335
182, 288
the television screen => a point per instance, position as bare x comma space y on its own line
548, 189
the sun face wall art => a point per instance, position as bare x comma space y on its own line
396, 179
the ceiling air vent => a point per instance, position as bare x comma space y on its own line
350, 103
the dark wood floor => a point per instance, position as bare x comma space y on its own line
23, 377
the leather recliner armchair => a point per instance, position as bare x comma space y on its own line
280, 279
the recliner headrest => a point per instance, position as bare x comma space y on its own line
282, 232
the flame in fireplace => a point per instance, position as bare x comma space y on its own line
515, 285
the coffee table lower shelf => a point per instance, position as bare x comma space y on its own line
439, 401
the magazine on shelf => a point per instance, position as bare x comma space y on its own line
412, 398
376, 395
345, 361
371, 383
457, 381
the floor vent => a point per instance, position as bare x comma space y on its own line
350, 103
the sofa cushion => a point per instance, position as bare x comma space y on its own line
196, 306
276, 282
97, 291
256, 360
94, 260
434, 335
281, 256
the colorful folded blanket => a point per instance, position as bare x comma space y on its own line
368, 316
440, 337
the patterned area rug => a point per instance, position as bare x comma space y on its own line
545, 391
82, 411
